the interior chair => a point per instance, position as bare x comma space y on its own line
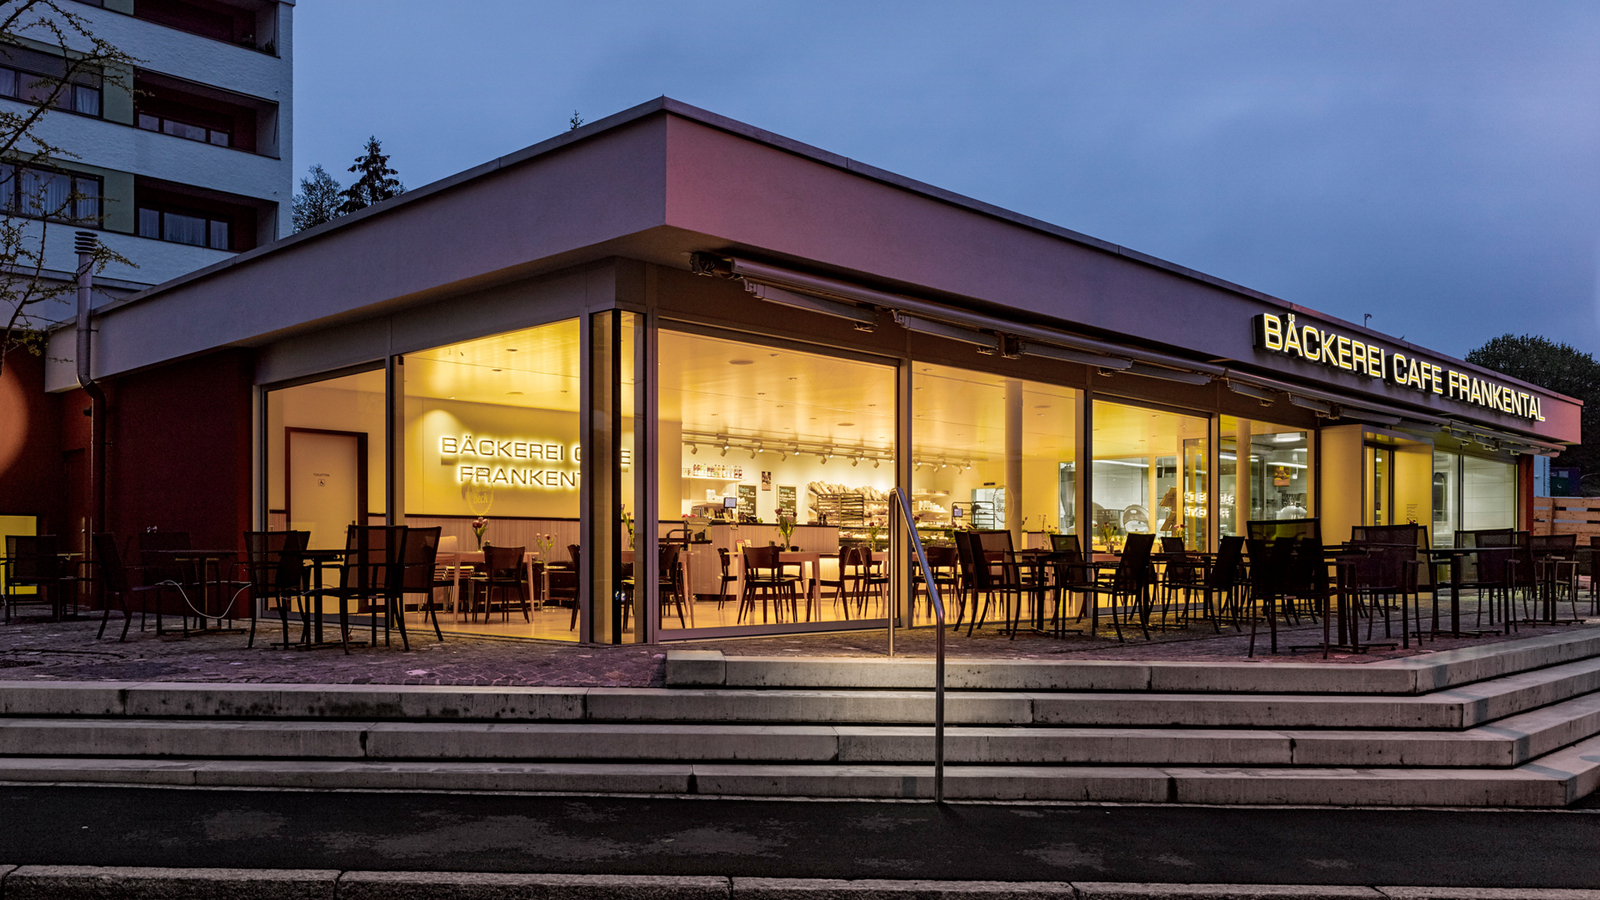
504, 571
764, 576
727, 577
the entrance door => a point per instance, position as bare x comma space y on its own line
1380, 486
327, 483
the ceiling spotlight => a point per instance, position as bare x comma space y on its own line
855, 461
824, 460
875, 463
724, 449
783, 455
754, 451
694, 449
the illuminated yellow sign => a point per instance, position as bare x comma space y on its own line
494, 461
1283, 334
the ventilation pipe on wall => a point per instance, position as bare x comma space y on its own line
86, 244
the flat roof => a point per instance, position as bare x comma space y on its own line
663, 179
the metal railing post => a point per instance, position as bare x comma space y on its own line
903, 504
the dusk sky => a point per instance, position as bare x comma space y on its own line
1436, 165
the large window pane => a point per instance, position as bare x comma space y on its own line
749, 433
1488, 493
1272, 480
46, 193
183, 229
491, 432
1149, 474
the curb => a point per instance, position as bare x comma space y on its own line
116, 883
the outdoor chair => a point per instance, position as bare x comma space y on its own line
1128, 587
993, 573
275, 571
114, 580
419, 556
1270, 573
35, 561
1073, 576
369, 573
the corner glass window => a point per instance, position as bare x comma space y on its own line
1149, 475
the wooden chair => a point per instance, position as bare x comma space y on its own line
764, 576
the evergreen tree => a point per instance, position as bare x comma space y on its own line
374, 182
318, 199
1558, 367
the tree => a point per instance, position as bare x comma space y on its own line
374, 182
318, 200
575, 122
30, 294
1557, 367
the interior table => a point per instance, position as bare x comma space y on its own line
802, 558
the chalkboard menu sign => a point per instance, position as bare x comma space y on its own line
747, 501
786, 501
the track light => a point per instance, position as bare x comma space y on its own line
754, 451
694, 449
875, 463
855, 461
724, 449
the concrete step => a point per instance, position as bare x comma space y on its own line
1455, 708
1507, 742
1554, 780
1414, 675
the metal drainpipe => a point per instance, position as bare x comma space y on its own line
87, 241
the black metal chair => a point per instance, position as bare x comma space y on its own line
114, 580
992, 573
275, 570
1271, 567
1128, 586
419, 556
368, 575
1072, 574
35, 561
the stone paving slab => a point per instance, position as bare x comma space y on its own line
68, 651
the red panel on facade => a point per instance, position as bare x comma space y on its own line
180, 450
31, 481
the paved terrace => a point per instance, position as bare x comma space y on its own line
68, 651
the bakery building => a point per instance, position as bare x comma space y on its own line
670, 327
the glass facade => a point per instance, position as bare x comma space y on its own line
745, 488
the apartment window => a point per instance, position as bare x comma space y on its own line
185, 130
34, 78
48, 194
185, 227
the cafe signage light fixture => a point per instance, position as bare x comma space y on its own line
494, 453
1283, 334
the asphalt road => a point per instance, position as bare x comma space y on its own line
610, 835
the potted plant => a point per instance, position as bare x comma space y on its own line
479, 526
786, 528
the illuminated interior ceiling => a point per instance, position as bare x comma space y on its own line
1132, 431
746, 390
961, 414
536, 368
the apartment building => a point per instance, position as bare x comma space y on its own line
180, 163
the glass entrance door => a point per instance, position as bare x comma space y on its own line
1380, 486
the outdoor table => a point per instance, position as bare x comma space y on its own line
201, 563
1456, 557
319, 560
58, 603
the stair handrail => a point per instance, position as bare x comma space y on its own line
906, 519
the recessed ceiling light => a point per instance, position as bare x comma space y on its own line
847, 424
495, 370
761, 393
1042, 406
740, 362
513, 393
511, 349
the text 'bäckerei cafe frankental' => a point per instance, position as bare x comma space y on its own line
1282, 334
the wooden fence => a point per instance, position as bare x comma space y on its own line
1566, 515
